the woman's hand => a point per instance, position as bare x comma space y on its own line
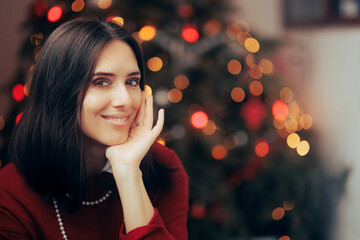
142, 135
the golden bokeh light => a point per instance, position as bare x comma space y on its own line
255, 72
148, 90
289, 205
303, 148
306, 121
104, 4
212, 27
256, 88
161, 141
77, 5
242, 36
291, 125
154, 64
219, 152
210, 128
181, 82
231, 142
147, 33
278, 213
118, 20
237, 94
175, 95
250, 60
2, 122
278, 124
252, 45
266, 66
293, 140
282, 133
286, 94
234, 67
232, 31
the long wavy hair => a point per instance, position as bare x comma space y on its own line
47, 145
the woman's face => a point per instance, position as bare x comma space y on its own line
113, 98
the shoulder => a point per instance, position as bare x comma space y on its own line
164, 155
10, 178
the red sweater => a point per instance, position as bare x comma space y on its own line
25, 215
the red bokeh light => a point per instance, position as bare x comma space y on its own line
190, 34
185, 10
18, 117
280, 110
197, 211
253, 112
40, 9
199, 119
54, 14
262, 148
18, 92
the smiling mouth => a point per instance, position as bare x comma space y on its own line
117, 120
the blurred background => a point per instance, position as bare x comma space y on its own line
259, 98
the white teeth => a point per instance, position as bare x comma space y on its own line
118, 120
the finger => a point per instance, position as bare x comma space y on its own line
159, 124
149, 118
141, 111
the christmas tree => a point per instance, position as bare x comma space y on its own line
242, 136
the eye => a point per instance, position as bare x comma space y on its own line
133, 82
101, 82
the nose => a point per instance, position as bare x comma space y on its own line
121, 97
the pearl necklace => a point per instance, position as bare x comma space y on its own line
84, 203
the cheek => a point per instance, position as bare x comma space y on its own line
137, 99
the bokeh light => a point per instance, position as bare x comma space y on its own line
250, 60
181, 82
178, 131
2, 122
18, 117
199, 119
252, 45
278, 213
242, 36
256, 88
286, 94
284, 237
164, 58
37, 38
18, 92
161, 97
289, 205
303, 148
212, 27
185, 10
306, 121
117, 20
231, 142
197, 211
154, 64
77, 5
104, 4
291, 125
242, 138
234, 67
147, 33
278, 124
266, 66
255, 72
175, 95
210, 128
293, 140
190, 34
148, 90
54, 14
280, 110
237, 94
161, 141
262, 148
219, 152
232, 31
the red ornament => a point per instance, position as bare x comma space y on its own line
254, 113
54, 14
18, 92
190, 34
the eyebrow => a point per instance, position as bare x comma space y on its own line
111, 74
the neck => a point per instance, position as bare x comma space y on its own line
95, 156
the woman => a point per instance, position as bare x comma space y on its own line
81, 165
